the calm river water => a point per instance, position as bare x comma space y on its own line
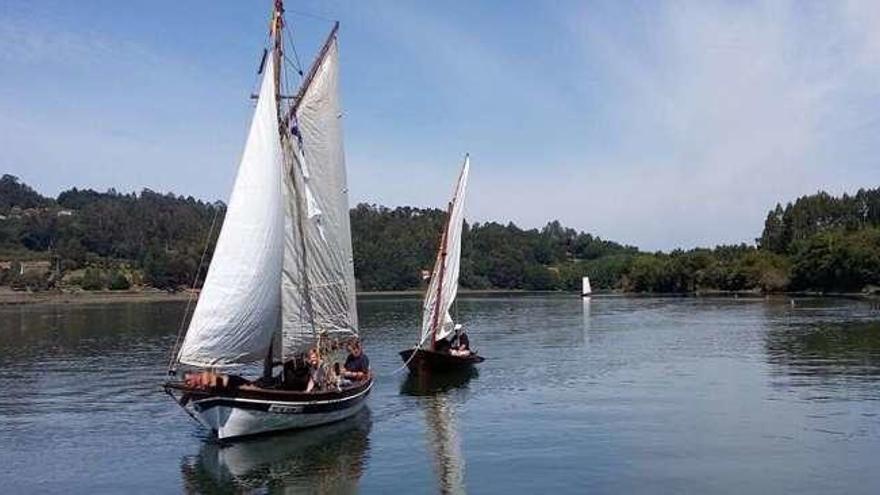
618, 395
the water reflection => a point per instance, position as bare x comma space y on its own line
440, 418
829, 349
326, 459
31, 332
585, 303
429, 384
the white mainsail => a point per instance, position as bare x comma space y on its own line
238, 311
318, 286
444, 279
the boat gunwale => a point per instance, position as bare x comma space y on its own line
276, 395
445, 358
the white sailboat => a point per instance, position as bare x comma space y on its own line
586, 290
437, 323
281, 280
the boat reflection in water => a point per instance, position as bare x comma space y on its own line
440, 412
324, 459
585, 301
431, 384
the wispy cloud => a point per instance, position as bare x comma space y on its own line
719, 111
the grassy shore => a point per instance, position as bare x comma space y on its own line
12, 297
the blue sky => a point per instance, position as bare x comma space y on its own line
660, 124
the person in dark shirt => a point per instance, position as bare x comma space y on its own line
357, 364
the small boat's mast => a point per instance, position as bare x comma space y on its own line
442, 258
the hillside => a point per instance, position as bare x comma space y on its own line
98, 240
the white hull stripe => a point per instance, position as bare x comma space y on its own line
297, 407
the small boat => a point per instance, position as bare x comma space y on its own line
586, 290
437, 323
444, 362
281, 280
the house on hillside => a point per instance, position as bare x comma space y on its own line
36, 267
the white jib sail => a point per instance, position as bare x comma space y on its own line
449, 266
239, 307
318, 286
586, 290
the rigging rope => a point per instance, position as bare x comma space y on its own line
411, 356
296, 63
180, 330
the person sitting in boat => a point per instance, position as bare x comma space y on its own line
317, 372
357, 364
461, 345
210, 380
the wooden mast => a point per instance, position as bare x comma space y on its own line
278, 49
441, 257
277, 57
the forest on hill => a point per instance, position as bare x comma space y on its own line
110, 240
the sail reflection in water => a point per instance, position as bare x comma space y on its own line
440, 412
325, 459
586, 308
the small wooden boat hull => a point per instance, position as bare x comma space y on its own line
425, 360
241, 413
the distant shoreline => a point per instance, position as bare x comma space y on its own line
10, 297
13, 298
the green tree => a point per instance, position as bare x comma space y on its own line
94, 279
118, 281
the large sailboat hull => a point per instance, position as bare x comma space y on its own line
423, 360
244, 414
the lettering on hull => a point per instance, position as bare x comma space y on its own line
275, 408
